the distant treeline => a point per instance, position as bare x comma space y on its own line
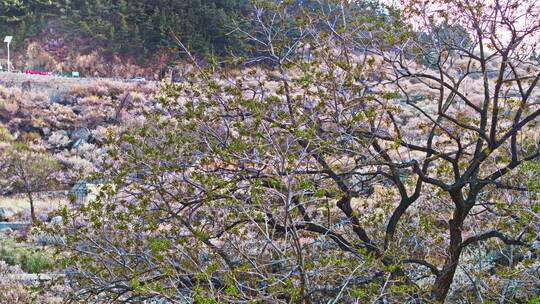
141, 28
129, 27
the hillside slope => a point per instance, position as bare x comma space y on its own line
130, 29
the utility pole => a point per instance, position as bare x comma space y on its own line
8, 41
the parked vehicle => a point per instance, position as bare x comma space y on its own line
31, 72
138, 78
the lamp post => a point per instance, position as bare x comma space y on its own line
8, 41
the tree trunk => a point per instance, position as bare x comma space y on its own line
444, 281
32, 211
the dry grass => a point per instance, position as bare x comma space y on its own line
14, 289
17, 207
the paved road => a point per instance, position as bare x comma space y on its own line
29, 277
53, 83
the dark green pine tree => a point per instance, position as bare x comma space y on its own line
129, 27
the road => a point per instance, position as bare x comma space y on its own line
50, 84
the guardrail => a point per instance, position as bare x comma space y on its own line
30, 277
14, 225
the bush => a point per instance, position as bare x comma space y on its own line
35, 262
30, 260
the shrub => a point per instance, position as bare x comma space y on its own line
36, 262
29, 259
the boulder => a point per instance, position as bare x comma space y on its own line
59, 139
57, 220
6, 214
26, 86
42, 217
82, 133
6, 233
80, 137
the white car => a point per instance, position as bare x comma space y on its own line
138, 78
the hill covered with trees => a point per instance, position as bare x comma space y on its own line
127, 27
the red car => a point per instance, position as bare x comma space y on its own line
38, 73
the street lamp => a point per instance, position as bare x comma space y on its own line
8, 41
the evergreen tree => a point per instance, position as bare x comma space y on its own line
130, 27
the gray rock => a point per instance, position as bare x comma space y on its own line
83, 133
5, 233
77, 144
26, 86
57, 220
58, 97
42, 217
7, 214
79, 137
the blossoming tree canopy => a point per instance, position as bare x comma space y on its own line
348, 158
